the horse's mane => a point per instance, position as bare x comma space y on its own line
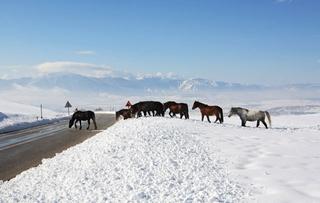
201, 103
240, 108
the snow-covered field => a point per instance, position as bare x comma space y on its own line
173, 160
16, 116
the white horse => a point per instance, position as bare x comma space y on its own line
249, 115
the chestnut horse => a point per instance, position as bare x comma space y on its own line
125, 113
209, 111
181, 108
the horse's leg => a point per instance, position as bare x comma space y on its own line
208, 119
88, 124
95, 123
171, 113
75, 124
80, 125
243, 123
202, 117
181, 115
258, 123
264, 123
217, 118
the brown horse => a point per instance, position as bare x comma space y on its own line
125, 113
209, 111
181, 108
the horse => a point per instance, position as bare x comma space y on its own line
181, 108
156, 108
82, 116
209, 111
125, 113
250, 115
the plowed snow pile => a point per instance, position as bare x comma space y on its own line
146, 159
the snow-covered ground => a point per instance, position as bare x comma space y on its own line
147, 159
280, 164
173, 160
16, 116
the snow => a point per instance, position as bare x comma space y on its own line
172, 160
280, 164
146, 159
3, 116
16, 116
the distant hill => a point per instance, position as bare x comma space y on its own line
74, 82
141, 84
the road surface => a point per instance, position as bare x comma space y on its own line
24, 149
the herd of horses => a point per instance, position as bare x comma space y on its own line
155, 108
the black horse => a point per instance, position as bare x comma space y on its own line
83, 116
181, 108
125, 113
147, 106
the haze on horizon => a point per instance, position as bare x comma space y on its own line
261, 42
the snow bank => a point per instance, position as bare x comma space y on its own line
3, 116
146, 159
20, 116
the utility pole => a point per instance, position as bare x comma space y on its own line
41, 111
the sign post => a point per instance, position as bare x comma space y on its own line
68, 105
128, 105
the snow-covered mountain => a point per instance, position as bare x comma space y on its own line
204, 84
74, 82
138, 84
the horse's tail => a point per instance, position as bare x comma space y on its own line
269, 117
187, 113
221, 115
94, 121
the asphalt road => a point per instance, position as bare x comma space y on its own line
24, 149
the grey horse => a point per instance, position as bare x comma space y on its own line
249, 115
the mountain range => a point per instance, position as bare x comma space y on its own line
75, 82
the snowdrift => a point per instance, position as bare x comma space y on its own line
146, 159
3, 116
18, 116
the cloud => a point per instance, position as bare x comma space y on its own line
84, 69
85, 52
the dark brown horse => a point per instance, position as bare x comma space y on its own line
181, 108
209, 111
79, 116
155, 107
125, 113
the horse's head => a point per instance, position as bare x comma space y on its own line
232, 112
71, 122
133, 110
167, 105
195, 105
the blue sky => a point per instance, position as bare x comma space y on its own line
247, 41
